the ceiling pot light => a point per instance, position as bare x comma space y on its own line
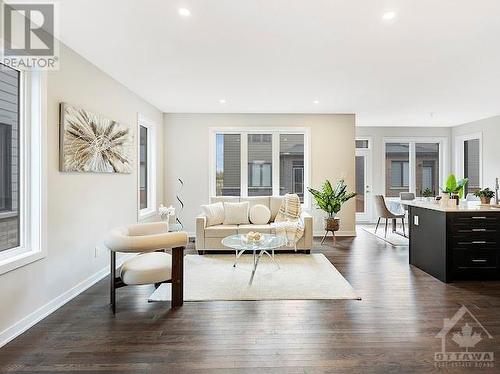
316, 101
222, 101
389, 15
184, 12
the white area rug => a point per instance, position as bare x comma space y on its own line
301, 277
396, 240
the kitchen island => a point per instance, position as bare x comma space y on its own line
457, 242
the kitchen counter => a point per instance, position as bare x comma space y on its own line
455, 242
463, 207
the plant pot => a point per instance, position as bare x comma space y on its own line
485, 200
331, 224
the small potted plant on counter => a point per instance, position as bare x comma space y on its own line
330, 200
485, 195
428, 194
454, 188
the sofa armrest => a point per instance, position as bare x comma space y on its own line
201, 224
308, 229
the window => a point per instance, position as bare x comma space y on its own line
362, 144
228, 168
260, 153
414, 165
22, 168
259, 163
472, 165
292, 164
10, 220
400, 174
428, 170
397, 157
147, 167
143, 166
469, 163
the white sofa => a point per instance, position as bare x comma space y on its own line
209, 238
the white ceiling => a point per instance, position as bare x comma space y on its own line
278, 56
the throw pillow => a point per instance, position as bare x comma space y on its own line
260, 214
235, 213
214, 213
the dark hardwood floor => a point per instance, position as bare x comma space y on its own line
392, 330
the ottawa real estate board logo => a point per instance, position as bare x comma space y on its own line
29, 38
464, 334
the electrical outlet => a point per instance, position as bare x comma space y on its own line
96, 251
415, 220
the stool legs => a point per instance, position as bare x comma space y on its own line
112, 294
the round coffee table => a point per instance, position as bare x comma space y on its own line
267, 243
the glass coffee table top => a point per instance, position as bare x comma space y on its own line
267, 243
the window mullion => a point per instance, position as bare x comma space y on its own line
276, 163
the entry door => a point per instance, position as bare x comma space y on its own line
363, 186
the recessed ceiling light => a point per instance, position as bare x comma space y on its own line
389, 15
185, 12
222, 101
316, 101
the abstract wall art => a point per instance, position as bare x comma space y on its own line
90, 143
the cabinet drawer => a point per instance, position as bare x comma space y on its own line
474, 259
477, 219
475, 228
475, 242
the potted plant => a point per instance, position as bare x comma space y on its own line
330, 200
485, 195
428, 194
454, 188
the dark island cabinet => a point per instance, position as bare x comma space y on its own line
455, 245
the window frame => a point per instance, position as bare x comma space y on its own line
460, 154
33, 173
413, 141
244, 132
151, 208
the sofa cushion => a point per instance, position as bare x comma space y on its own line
245, 229
275, 205
260, 214
221, 231
224, 199
236, 213
256, 200
214, 213
147, 268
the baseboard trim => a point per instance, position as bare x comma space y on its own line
12, 332
337, 233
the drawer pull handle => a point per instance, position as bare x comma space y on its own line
478, 260
478, 217
478, 230
479, 242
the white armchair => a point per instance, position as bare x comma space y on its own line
149, 267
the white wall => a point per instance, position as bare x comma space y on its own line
81, 207
490, 128
187, 147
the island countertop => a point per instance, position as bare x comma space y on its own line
463, 207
